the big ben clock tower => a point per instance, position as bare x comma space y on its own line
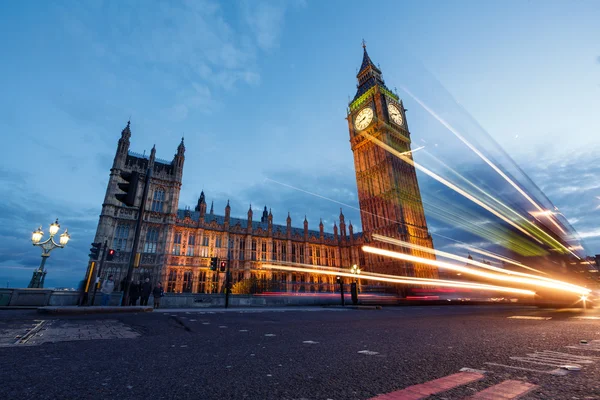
388, 191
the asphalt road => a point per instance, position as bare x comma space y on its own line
297, 353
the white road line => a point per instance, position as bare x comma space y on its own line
585, 317
310, 342
270, 334
536, 361
368, 352
477, 371
529, 317
551, 372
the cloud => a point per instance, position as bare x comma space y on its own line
266, 19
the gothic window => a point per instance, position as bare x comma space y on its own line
191, 244
318, 253
301, 251
158, 200
205, 240
293, 253
274, 256
218, 242
253, 255
121, 235
310, 255
242, 247
284, 251
202, 282
187, 282
264, 251
151, 240
177, 244
172, 281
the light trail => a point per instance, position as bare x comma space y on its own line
447, 183
481, 155
501, 258
466, 194
408, 280
440, 264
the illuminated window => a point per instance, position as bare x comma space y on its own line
187, 282
177, 243
202, 284
121, 235
151, 241
157, 200
172, 281
191, 243
242, 247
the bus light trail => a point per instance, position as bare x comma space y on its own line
403, 280
500, 277
501, 258
482, 156
466, 194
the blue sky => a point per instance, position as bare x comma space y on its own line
260, 88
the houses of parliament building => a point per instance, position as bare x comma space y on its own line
176, 244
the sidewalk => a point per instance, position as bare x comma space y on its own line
93, 310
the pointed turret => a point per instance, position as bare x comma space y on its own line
368, 76
227, 215
321, 233
178, 160
122, 147
249, 227
335, 232
152, 157
212, 208
270, 223
351, 231
265, 215
289, 226
342, 226
201, 206
305, 228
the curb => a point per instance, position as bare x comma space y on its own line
93, 310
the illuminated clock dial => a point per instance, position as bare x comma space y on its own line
395, 114
363, 118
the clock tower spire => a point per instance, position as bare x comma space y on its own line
388, 191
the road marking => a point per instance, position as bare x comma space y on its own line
478, 371
206, 323
270, 334
426, 389
558, 371
368, 352
585, 317
192, 320
506, 390
222, 326
311, 342
529, 317
243, 330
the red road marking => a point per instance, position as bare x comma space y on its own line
504, 391
423, 390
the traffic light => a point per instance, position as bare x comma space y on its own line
129, 187
223, 265
338, 279
110, 255
95, 251
213, 263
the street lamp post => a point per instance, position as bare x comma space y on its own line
39, 275
354, 286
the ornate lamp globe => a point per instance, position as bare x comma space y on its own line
54, 228
64, 238
36, 236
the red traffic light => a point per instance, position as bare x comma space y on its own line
110, 254
223, 265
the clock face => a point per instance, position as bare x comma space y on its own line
395, 114
363, 118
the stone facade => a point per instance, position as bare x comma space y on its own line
176, 244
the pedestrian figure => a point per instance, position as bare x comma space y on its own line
158, 292
146, 290
134, 293
107, 289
